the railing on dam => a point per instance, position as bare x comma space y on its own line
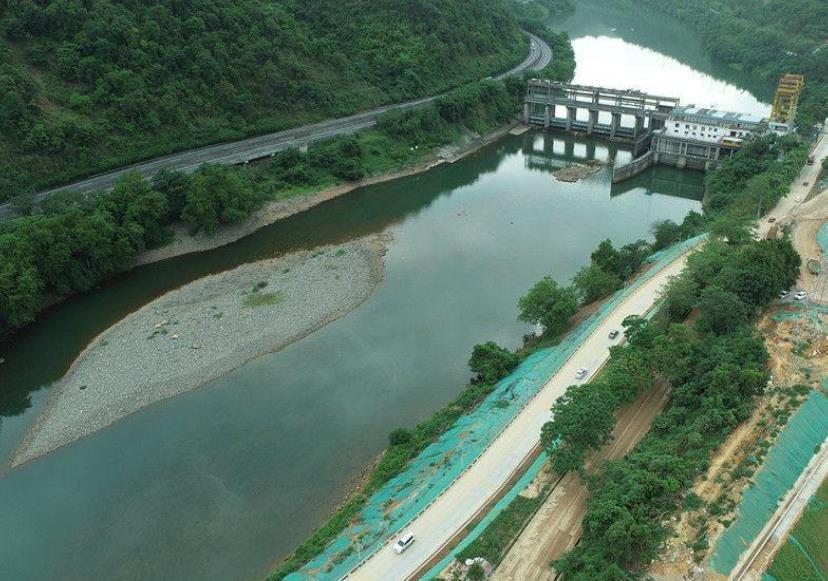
544, 97
626, 102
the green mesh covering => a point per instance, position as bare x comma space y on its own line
806, 429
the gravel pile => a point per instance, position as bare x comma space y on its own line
201, 331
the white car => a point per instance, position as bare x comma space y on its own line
783, 294
800, 296
403, 543
581, 373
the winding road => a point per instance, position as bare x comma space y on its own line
245, 150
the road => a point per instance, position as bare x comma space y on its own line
236, 152
471, 492
793, 204
759, 555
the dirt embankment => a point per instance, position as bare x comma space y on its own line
201, 331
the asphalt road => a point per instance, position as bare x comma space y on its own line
793, 204
471, 492
236, 152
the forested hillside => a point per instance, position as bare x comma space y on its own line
765, 38
87, 85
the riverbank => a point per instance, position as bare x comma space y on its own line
201, 331
184, 242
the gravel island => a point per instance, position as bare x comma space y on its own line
201, 331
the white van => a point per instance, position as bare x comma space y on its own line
403, 543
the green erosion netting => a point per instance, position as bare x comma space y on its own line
806, 429
400, 500
822, 237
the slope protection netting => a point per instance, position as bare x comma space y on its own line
822, 237
806, 430
402, 498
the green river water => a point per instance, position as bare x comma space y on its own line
221, 482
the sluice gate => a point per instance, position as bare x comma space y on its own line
602, 111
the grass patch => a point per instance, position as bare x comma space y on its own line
803, 557
498, 536
257, 299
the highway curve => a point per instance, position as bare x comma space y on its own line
235, 152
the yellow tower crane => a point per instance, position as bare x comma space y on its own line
787, 98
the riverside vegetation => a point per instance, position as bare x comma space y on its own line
71, 242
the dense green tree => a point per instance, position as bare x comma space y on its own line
631, 256
491, 362
721, 311
21, 287
593, 283
548, 304
174, 186
218, 195
680, 297
606, 257
666, 233
582, 421
735, 230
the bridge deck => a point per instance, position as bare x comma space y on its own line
626, 101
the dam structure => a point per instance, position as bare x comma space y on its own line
601, 111
659, 128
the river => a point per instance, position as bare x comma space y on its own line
221, 482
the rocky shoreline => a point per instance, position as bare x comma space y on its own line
201, 331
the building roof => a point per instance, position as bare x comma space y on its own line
714, 116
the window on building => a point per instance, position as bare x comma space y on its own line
733, 134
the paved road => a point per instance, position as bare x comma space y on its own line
470, 493
540, 55
793, 204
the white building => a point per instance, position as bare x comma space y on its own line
711, 126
